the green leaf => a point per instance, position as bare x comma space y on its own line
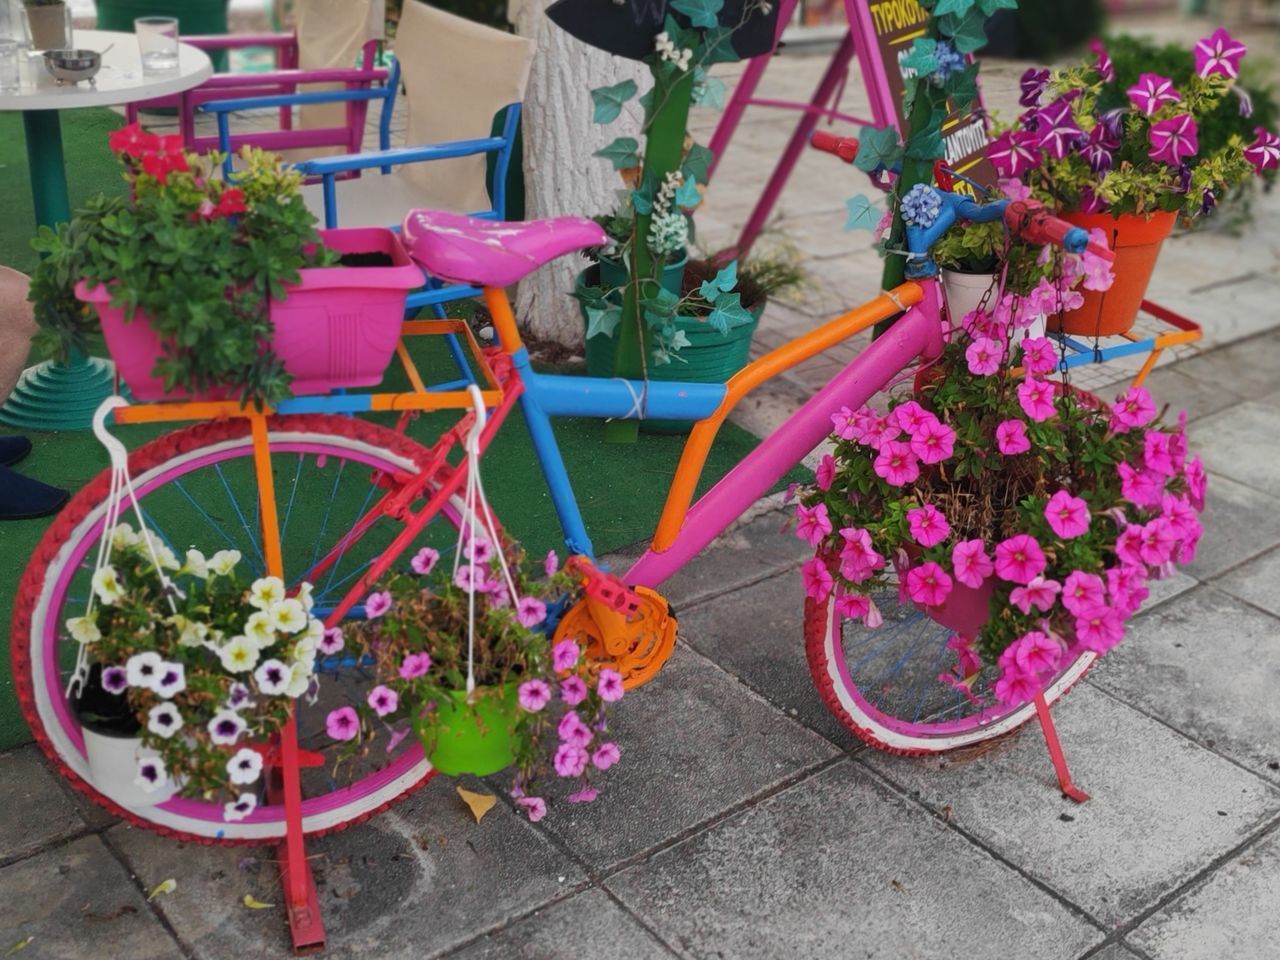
718, 46
603, 320
962, 86
729, 313
697, 163
877, 148
959, 7
608, 101
710, 93
991, 6
623, 152
701, 13
926, 145
967, 32
724, 281
863, 214
921, 58
642, 196
687, 195
660, 308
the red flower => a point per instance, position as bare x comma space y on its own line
167, 157
132, 140
231, 202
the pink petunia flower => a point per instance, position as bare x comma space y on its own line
933, 441
571, 729
570, 760
342, 723
377, 604
1099, 275
928, 584
331, 642
1197, 482
877, 431
1057, 132
1157, 452
984, 356
1036, 653
470, 579
1129, 546
1174, 138
585, 795
1038, 356
424, 561
858, 558
1037, 592
1152, 92
1158, 540
573, 690
530, 612
1082, 591
928, 525
1016, 687
1219, 53
1013, 153
844, 423
1068, 516
1180, 515
1264, 152
1133, 409
1036, 399
533, 695
1019, 559
383, 700
967, 660
605, 756
1142, 488
534, 807
1011, 438
564, 655
1106, 69
1127, 588
609, 686
817, 580
897, 464
414, 665
812, 523
1099, 629
852, 606
909, 417
551, 564
970, 562
826, 472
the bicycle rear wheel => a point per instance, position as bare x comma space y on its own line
197, 486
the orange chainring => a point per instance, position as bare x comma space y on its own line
647, 643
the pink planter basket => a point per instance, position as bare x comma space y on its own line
337, 328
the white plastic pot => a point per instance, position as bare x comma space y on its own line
113, 766
964, 291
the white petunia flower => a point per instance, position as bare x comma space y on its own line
223, 562
240, 807
259, 629
239, 656
122, 536
265, 592
304, 596
164, 720
143, 669
196, 564
300, 675
288, 616
106, 584
225, 727
167, 559
245, 766
191, 633
272, 677
83, 630
171, 680
151, 774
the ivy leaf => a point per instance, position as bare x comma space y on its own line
642, 196
710, 93
729, 312
687, 194
623, 152
697, 163
724, 281
877, 148
863, 214
959, 7
609, 100
602, 318
961, 86
701, 13
921, 58
718, 46
991, 6
926, 145
660, 309
646, 102
967, 32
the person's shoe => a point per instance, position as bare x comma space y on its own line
13, 449
22, 498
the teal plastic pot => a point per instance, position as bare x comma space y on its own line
614, 273
477, 738
710, 357
195, 18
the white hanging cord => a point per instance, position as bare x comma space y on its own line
637, 403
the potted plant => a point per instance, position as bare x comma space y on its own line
186, 671
531, 702
1131, 170
211, 288
48, 21
1026, 517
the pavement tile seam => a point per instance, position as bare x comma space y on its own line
914, 798
1222, 581
642, 923
153, 906
566, 894
709, 596
55, 843
1115, 940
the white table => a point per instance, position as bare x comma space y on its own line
64, 396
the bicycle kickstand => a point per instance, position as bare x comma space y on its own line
1065, 784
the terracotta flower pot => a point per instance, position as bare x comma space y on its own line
1136, 242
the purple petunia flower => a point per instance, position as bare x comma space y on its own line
1033, 83
1014, 153
1152, 92
1174, 138
1207, 202
115, 679
1097, 150
1058, 131
1219, 53
1105, 68
1263, 153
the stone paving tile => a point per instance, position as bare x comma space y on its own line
1182, 391
841, 866
27, 784
1231, 914
1240, 443
589, 925
64, 901
418, 879
1208, 666
1115, 951
1247, 367
757, 635
1239, 521
695, 742
1163, 808
1257, 581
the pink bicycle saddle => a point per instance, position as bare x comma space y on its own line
491, 253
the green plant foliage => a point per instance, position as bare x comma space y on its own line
609, 101
624, 152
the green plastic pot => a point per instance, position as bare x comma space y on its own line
195, 18
710, 357
477, 738
613, 274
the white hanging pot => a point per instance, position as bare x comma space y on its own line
113, 768
964, 291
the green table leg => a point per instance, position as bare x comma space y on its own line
54, 396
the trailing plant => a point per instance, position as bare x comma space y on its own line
416, 637
208, 663
198, 256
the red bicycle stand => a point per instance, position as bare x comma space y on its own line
1065, 784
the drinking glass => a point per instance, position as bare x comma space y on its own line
9, 51
157, 42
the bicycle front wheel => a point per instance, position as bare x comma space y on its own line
197, 486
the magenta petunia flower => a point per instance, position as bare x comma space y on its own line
1036, 653
570, 760
844, 423
551, 564
342, 723
1038, 357
1015, 687
858, 558
609, 686
377, 604
1099, 629
1098, 151
1068, 516
971, 563
1014, 152
573, 730
1142, 488
1019, 558
1129, 546
1032, 83
1157, 453
1037, 592
530, 612
967, 660
605, 756
1264, 152
573, 690
983, 356
331, 642
533, 695
933, 441
1036, 399
478, 549
1219, 53
1127, 588
1057, 132
585, 795
534, 807
928, 584
470, 579
825, 475
1106, 69
424, 561
414, 665
1082, 591
1157, 543
1133, 409
876, 431
910, 416
852, 606
812, 523
564, 655
1152, 92
928, 525
817, 580
1174, 138
1197, 482
897, 464
1181, 516
1011, 438
383, 700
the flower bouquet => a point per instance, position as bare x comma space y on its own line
465, 660
186, 670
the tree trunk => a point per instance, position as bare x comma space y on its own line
561, 175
